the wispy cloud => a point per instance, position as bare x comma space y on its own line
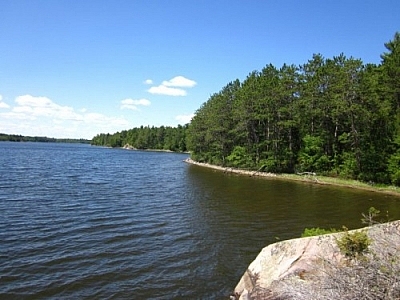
103, 120
173, 87
44, 107
133, 104
3, 104
184, 119
148, 81
15, 116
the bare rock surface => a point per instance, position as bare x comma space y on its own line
301, 259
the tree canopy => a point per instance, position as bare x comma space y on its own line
334, 116
146, 137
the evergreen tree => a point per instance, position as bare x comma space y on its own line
332, 116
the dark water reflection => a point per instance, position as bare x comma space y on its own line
248, 213
83, 222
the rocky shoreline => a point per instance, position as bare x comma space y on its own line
302, 177
129, 147
293, 269
230, 170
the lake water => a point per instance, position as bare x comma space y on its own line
82, 222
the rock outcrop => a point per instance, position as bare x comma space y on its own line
301, 259
129, 147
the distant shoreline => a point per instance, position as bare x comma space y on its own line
41, 139
313, 179
129, 147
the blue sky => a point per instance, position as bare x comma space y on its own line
78, 68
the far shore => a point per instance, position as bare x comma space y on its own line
129, 147
307, 178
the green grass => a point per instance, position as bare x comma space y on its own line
342, 182
317, 231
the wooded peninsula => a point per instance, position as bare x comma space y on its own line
335, 116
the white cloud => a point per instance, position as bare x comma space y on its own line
179, 81
148, 81
133, 104
164, 90
184, 119
173, 87
3, 104
40, 116
17, 116
44, 107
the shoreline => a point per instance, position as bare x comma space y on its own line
308, 178
129, 147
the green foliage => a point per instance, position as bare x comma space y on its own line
238, 157
159, 138
355, 244
394, 165
269, 164
317, 231
348, 166
311, 156
369, 218
332, 116
394, 173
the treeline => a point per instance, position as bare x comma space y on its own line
333, 116
159, 138
43, 139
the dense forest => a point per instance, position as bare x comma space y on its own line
333, 116
43, 139
158, 138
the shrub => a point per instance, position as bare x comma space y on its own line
354, 244
238, 158
369, 218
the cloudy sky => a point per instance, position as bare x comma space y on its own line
78, 68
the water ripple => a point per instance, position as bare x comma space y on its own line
80, 222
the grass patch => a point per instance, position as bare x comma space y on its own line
317, 231
342, 182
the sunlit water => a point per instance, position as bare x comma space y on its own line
82, 222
